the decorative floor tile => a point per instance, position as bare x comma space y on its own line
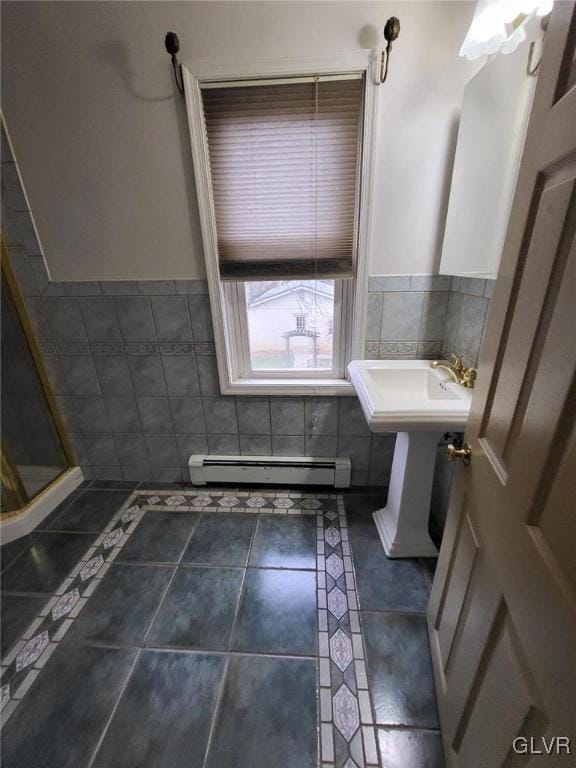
332, 536
337, 603
256, 501
175, 501
311, 504
228, 501
201, 501
32, 651
91, 568
284, 503
346, 717
65, 604
341, 650
129, 514
334, 566
342, 742
111, 539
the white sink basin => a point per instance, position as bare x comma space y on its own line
408, 395
419, 403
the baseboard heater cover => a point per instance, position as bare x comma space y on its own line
278, 470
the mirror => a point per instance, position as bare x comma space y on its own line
491, 135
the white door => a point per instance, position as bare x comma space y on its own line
502, 615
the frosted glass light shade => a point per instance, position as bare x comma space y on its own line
492, 29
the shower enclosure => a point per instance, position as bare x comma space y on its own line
34, 448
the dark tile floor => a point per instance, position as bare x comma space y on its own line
200, 645
393, 595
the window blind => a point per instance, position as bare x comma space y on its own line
284, 161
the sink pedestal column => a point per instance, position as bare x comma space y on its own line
403, 522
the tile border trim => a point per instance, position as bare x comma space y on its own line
25, 660
347, 733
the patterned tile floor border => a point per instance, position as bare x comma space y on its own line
265, 502
24, 662
347, 737
347, 734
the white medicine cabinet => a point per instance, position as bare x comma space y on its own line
493, 122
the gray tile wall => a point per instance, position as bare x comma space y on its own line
466, 316
137, 405
134, 370
425, 316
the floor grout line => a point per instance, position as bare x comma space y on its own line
191, 651
170, 581
229, 654
114, 709
392, 612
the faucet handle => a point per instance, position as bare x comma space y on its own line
469, 377
456, 363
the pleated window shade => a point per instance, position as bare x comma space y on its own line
285, 160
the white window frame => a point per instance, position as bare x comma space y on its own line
224, 296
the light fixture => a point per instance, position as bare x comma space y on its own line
498, 26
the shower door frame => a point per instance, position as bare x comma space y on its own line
17, 297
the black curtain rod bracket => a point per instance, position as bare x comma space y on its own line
172, 45
391, 32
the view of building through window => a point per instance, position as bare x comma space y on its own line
290, 324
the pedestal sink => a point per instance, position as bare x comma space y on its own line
420, 404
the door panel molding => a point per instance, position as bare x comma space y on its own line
502, 614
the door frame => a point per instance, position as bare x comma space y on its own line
9, 276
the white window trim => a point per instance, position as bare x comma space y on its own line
229, 366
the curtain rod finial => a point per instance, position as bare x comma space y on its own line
172, 45
391, 32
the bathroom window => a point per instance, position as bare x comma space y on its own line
280, 339
281, 167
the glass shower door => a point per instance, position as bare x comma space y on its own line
33, 452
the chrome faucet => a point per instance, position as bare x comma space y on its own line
458, 373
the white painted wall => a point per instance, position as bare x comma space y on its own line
101, 136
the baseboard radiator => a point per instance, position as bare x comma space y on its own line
277, 470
